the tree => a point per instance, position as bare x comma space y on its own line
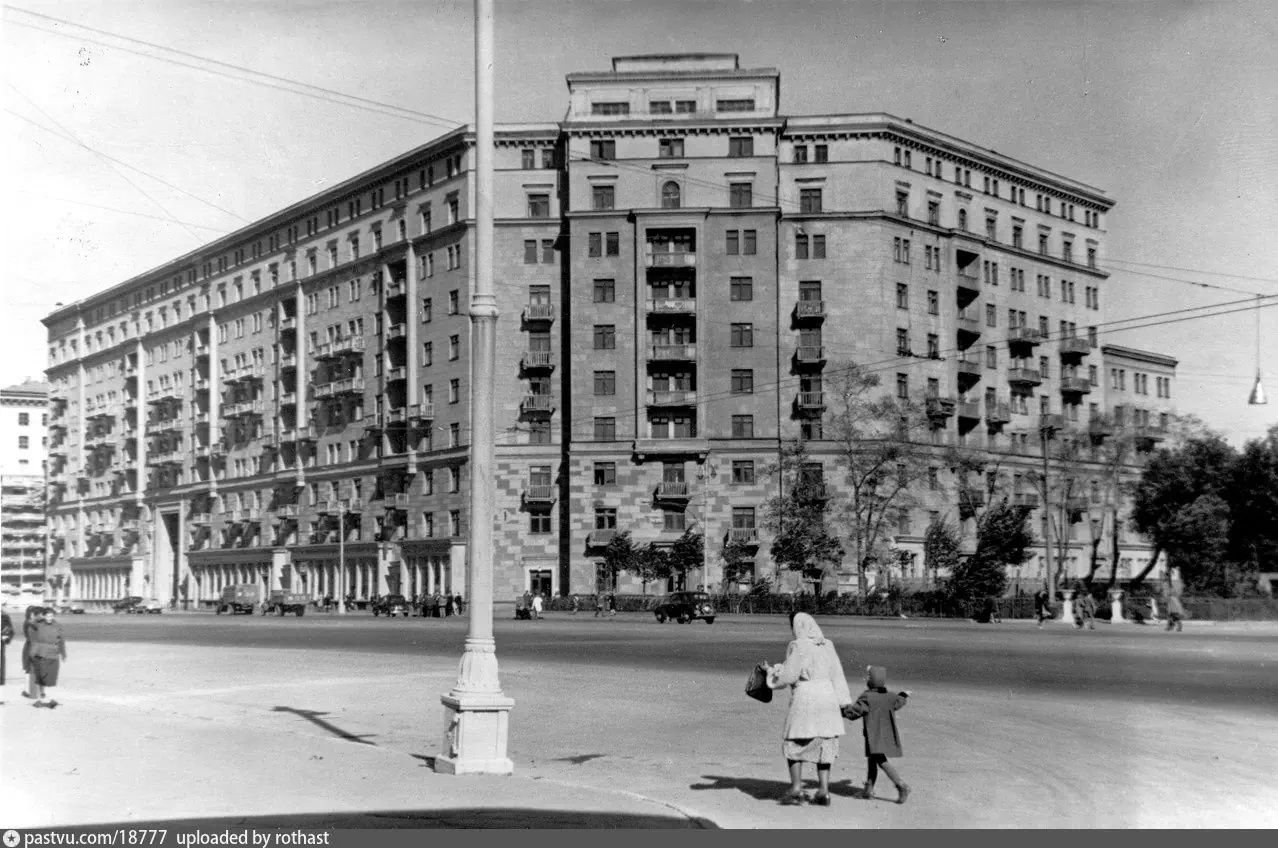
644, 561
1253, 503
801, 538
1181, 503
686, 555
1003, 538
940, 548
878, 456
738, 563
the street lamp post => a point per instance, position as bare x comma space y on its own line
476, 713
341, 558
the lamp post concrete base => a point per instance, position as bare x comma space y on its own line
1116, 606
1067, 607
476, 729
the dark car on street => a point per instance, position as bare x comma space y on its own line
391, 606
685, 606
126, 604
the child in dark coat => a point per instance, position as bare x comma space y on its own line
878, 707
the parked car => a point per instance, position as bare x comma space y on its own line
685, 606
146, 607
391, 605
126, 604
68, 608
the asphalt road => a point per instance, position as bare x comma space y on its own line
1198, 667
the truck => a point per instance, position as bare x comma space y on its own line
240, 598
280, 602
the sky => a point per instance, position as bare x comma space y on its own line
121, 155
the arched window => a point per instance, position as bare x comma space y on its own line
670, 195
963, 220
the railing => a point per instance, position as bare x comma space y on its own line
288, 322
397, 331
422, 412
1027, 501
537, 403
810, 400
1051, 422
1075, 386
400, 501
968, 281
539, 494
600, 538
349, 385
971, 326
1028, 376
672, 305
998, 412
676, 397
806, 310
969, 368
746, 535
286, 511
809, 354
969, 409
399, 372
539, 312
534, 359
1075, 346
396, 287
674, 352
1024, 335
669, 259
672, 490
938, 407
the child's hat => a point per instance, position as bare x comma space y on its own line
876, 676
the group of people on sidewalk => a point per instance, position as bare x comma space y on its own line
43, 652
820, 701
530, 605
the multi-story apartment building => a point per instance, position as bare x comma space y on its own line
677, 267
23, 411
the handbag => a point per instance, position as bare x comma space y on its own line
757, 685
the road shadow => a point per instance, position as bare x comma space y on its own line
314, 717
772, 790
471, 818
579, 759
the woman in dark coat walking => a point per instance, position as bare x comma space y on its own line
48, 651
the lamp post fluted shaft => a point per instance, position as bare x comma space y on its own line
476, 713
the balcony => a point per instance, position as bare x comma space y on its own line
1024, 376
243, 409
809, 402
397, 374
202, 350
969, 286
349, 386
1076, 507
399, 416
104, 413
348, 346
396, 287
743, 535
969, 371
658, 258
673, 397
537, 405
1100, 429
809, 355
809, 310
997, 413
540, 494
422, 412
539, 313
245, 373
939, 408
288, 360
199, 418
969, 329
286, 512
1024, 337
672, 306
537, 360
1075, 386
322, 391
600, 538
396, 331
1148, 435
1075, 348
249, 515
399, 501
672, 490
689, 446
1051, 423
673, 353
288, 322
375, 421
288, 397
969, 410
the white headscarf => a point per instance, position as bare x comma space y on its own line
805, 627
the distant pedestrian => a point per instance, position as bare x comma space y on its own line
878, 707
601, 604
6, 636
537, 605
818, 692
576, 604
448, 606
461, 605
1085, 610
1175, 609
48, 652
436, 603
612, 605
1042, 607
28, 625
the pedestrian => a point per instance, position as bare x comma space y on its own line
436, 604
818, 691
537, 606
448, 606
1175, 613
576, 604
612, 605
878, 708
6, 636
28, 624
1086, 610
600, 604
48, 651
1042, 607
461, 605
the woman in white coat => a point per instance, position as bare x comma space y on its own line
818, 691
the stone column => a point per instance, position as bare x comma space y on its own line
1116, 606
